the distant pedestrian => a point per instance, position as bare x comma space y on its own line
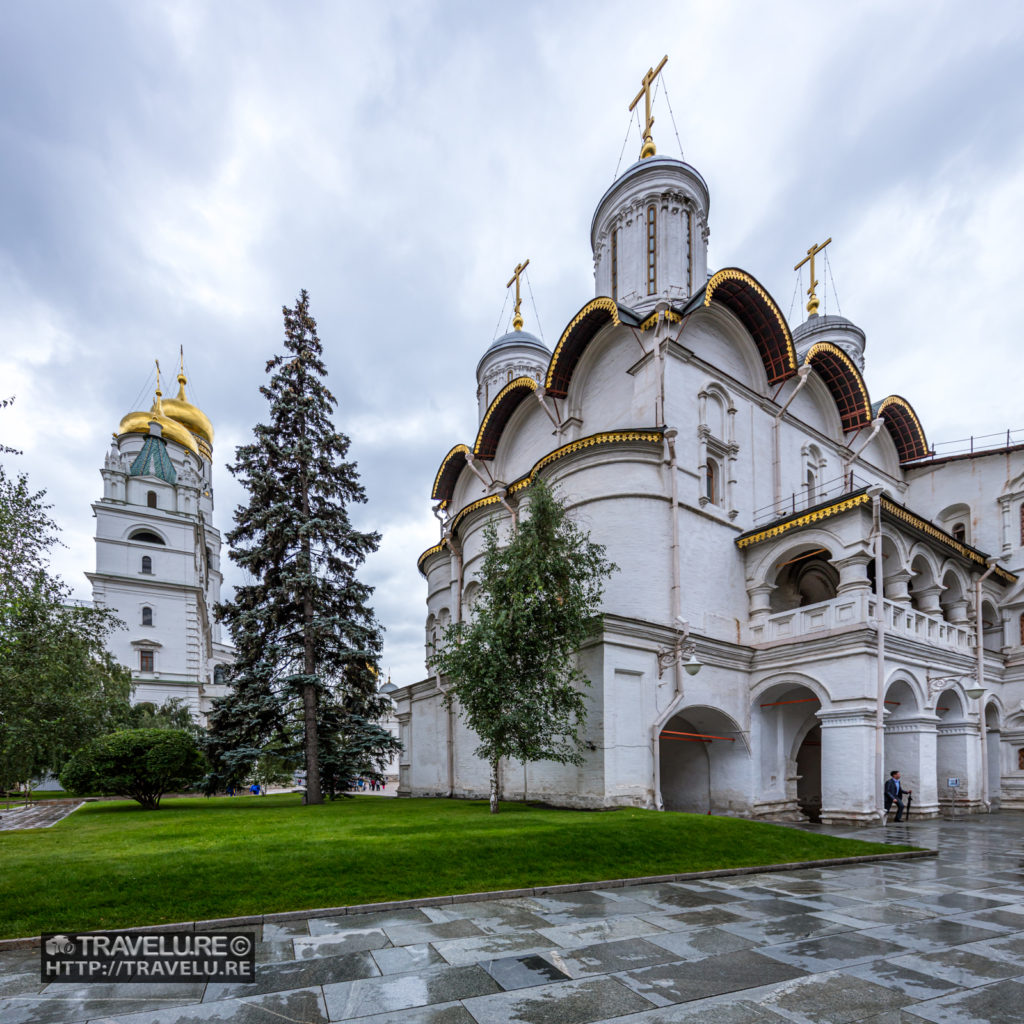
255, 789
894, 794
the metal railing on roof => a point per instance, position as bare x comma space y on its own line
807, 497
972, 445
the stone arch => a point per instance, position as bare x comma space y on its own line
782, 549
908, 739
469, 598
953, 747
721, 326
704, 762
788, 746
994, 748
924, 585
992, 626
955, 597
145, 534
952, 516
586, 365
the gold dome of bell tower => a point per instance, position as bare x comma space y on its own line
180, 420
190, 416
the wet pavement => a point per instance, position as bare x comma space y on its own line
900, 942
41, 814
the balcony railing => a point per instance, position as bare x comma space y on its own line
856, 609
805, 498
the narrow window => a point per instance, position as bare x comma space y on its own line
810, 487
147, 615
652, 234
960, 533
218, 675
145, 661
615, 264
689, 252
1020, 759
711, 481
151, 499
509, 378
147, 565
1022, 524
1022, 631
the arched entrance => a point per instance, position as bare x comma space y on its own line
808, 770
787, 743
705, 764
951, 750
994, 748
909, 746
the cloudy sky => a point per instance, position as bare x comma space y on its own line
172, 173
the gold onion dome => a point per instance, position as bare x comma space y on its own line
187, 414
172, 430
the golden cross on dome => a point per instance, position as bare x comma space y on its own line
517, 320
812, 298
648, 148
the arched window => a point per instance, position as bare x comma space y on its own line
615, 263
508, 379
151, 499
145, 661
147, 565
959, 532
147, 615
218, 674
147, 537
1022, 631
652, 256
712, 487
811, 487
1022, 524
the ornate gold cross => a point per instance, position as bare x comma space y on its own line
648, 148
517, 320
812, 298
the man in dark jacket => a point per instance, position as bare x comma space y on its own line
894, 794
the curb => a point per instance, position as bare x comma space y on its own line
497, 894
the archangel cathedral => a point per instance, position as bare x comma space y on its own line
808, 594
158, 553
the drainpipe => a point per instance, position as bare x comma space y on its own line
513, 511
540, 394
471, 462
980, 645
876, 426
671, 433
875, 494
803, 373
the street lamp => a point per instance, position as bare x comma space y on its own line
681, 647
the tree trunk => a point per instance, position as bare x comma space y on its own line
494, 786
314, 795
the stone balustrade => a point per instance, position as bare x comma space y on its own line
858, 608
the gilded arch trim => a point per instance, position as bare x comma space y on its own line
448, 474
506, 401
748, 300
844, 382
580, 331
904, 427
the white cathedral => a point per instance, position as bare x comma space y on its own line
158, 553
808, 596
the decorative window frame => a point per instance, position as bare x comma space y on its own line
813, 463
724, 450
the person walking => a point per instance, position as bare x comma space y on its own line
894, 794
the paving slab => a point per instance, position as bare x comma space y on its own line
924, 941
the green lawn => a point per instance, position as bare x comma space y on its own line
113, 864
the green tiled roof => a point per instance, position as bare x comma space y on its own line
153, 460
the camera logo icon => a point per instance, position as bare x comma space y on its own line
58, 945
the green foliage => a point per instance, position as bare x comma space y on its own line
59, 687
512, 668
172, 714
306, 639
139, 763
